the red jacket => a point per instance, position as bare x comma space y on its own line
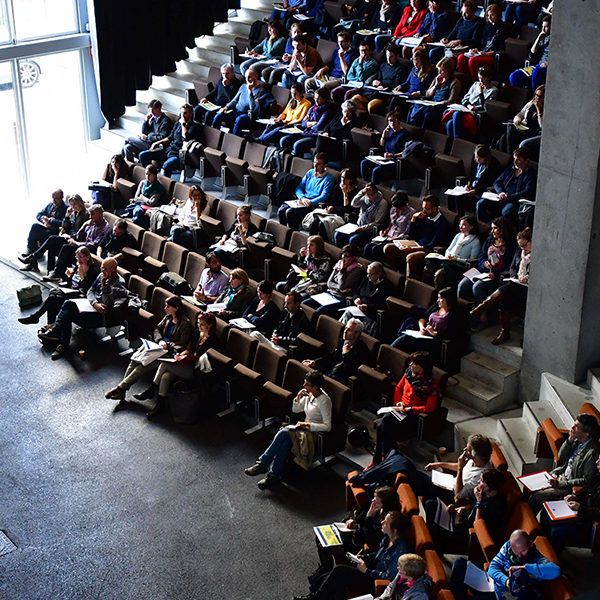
405, 393
404, 30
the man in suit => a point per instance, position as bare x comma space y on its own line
156, 126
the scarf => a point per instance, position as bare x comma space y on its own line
422, 385
353, 265
368, 210
232, 293
463, 240
523, 270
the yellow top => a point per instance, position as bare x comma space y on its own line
290, 115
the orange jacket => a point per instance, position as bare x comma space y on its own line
405, 393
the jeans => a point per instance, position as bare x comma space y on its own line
478, 291
292, 217
288, 79
276, 454
522, 14
409, 344
139, 217
133, 146
488, 209
69, 314
183, 237
359, 239
272, 134
374, 251
66, 257
241, 121
389, 431
537, 78
370, 171
38, 234
52, 246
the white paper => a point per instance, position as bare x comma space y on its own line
354, 84
537, 481
443, 517
378, 239
354, 311
559, 509
491, 196
516, 280
348, 228
302, 17
446, 481
365, 597
459, 190
402, 244
216, 307
341, 527
427, 102
380, 160
301, 272
294, 203
325, 299
471, 274
353, 558
384, 410
477, 579
437, 256
417, 334
461, 108
265, 121
411, 42
292, 130
527, 202
209, 105
242, 323
83, 305
483, 277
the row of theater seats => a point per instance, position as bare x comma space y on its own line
482, 547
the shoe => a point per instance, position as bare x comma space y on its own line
504, 334
157, 410
26, 257
269, 481
50, 337
122, 405
116, 393
30, 266
30, 320
307, 597
45, 328
147, 394
59, 352
52, 276
258, 468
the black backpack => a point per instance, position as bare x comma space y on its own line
284, 187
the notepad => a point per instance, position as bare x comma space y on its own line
325, 299
491, 196
558, 510
443, 517
348, 228
477, 579
540, 480
459, 190
216, 307
417, 334
328, 535
391, 410
446, 481
242, 323
354, 311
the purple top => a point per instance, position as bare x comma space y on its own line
91, 235
399, 221
439, 322
213, 286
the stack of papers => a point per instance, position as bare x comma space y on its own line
477, 579
411, 42
446, 481
242, 323
474, 275
294, 203
390, 409
406, 244
325, 299
216, 307
443, 517
417, 334
459, 190
380, 160
209, 105
491, 196
461, 108
328, 535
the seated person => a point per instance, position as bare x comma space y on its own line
305, 61
419, 80
489, 505
189, 218
343, 362
535, 75
107, 295
510, 294
342, 283
439, 322
74, 219
462, 124
436, 24
49, 220
213, 281
381, 564
168, 149
236, 237
262, 312
156, 126
90, 235
518, 181
386, 18
273, 75
429, 228
373, 212
316, 405
172, 333
292, 322
393, 139
361, 70
413, 17
116, 169
496, 255
370, 297
578, 455
290, 7
223, 93
523, 12
417, 392
400, 216
272, 46
80, 279
112, 244
202, 340
316, 265
150, 193
412, 581
332, 74
359, 13
293, 114
316, 186
519, 565
340, 128
236, 296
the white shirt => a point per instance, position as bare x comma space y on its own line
188, 217
317, 410
470, 478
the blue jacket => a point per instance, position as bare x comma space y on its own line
435, 26
384, 561
245, 100
430, 233
315, 189
322, 114
414, 84
468, 32
537, 565
519, 187
335, 66
503, 265
59, 215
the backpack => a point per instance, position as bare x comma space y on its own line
256, 31
160, 222
174, 283
274, 159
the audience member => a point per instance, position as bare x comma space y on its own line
272, 46
535, 75
236, 237
156, 126
262, 312
419, 80
150, 193
331, 139
385, 18
116, 169
221, 95
361, 70
273, 74
117, 238
412, 581
236, 296
522, 12
305, 61
49, 220
189, 218
411, 21
212, 282
436, 24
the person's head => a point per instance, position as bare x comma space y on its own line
395, 524
151, 173
120, 227
213, 262
364, 50
75, 201
173, 305
540, 94
348, 109
420, 59
446, 298
348, 176
411, 567
522, 158
264, 290
344, 38
109, 267
275, 28
207, 323
524, 239
468, 10
251, 76
315, 246
83, 255
295, 30
117, 163
493, 14
155, 107
244, 213
320, 161
375, 271
353, 330
198, 197
237, 278
297, 91
57, 197
485, 73
186, 112
300, 43
313, 382
392, 52
480, 448
491, 480
322, 95
421, 363
350, 252
547, 24
387, 499
394, 119
584, 428
430, 206
400, 200
468, 225
502, 229
435, 6
520, 543
418, 4
446, 67
482, 154
96, 214
227, 73
292, 302
371, 191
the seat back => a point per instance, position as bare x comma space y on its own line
157, 304
523, 518
194, 265
297, 241
222, 332
152, 245
498, 459
300, 166
417, 292
334, 252
281, 233
397, 281
270, 363
136, 231
233, 145
254, 153
138, 174
438, 141
436, 571
241, 347
212, 137
293, 376
181, 191
329, 331
372, 344
226, 213
140, 286
191, 312
259, 221
282, 97
174, 256
464, 150
169, 185
392, 360
326, 48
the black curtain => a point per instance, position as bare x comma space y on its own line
139, 39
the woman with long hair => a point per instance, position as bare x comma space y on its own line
189, 218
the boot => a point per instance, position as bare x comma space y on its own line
161, 405
148, 393
504, 334
490, 301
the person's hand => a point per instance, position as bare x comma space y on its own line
376, 83
524, 279
359, 229
503, 196
414, 95
362, 566
430, 330
303, 425
553, 483
463, 458
433, 465
350, 524
439, 79
101, 308
444, 40
487, 264
570, 498
309, 363
320, 73
302, 251
373, 509
452, 509
478, 493
454, 43
72, 242
154, 145
491, 275
512, 570
518, 120
222, 110
199, 294
543, 64
275, 339
471, 107
388, 155
329, 210
451, 258
163, 344
179, 357
221, 312
386, 131
363, 307
418, 216
573, 505
148, 116
346, 348
306, 202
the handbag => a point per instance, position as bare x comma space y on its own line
175, 283
29, 296
263, 236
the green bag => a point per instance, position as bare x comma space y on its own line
29, 296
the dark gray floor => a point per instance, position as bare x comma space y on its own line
107, 505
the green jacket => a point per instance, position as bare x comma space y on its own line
584, 465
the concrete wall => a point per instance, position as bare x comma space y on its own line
562, 334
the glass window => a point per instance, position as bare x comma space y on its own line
4, 29
43, 18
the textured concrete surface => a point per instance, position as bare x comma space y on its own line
107, 505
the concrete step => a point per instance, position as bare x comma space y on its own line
459, 412
175, 81
510, 352
517, 443
112, 139
132, 123
535, 412
171, 98
566, 398
483, 425
215, 57
479, 396
593, 380
196, 68
220, 42
490, 371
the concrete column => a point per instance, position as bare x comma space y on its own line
562, 333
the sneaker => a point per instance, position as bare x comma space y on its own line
59, 352
479, 326
258, 468
52, 276
49, 336
269, 481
